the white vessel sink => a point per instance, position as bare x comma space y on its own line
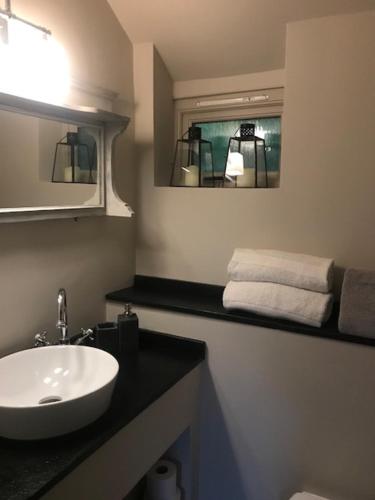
50, 391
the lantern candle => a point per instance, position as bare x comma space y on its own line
235, 164
191, 176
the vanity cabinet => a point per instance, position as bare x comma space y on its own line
153, 410
116, 467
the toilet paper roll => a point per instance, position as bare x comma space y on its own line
162, 481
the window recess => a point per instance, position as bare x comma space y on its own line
226, 162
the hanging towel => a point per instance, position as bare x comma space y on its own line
273, 266
306, 496
280, 301
357, 307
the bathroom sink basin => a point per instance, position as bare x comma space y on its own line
50, 391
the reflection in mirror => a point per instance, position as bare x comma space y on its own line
75, 158
45, 163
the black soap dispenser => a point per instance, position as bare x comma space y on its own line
128, 331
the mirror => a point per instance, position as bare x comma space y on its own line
49, 163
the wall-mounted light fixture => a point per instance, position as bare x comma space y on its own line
33, 64
7, 11
3, 30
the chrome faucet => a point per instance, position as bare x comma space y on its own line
41, 338
62, 317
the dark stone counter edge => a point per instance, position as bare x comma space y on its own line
151, 340
190, 349
205, 300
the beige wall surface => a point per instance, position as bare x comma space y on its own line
94, 255
27, 146
229, 84
280, 412
325, 204
283, 412
163, 122
154, 113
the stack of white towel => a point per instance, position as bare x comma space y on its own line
280, 284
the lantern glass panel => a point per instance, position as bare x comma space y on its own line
247, 149
193, 166
251, 152
269, 128
75, 159
262, 173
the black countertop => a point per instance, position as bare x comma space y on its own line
28, 469
206, 300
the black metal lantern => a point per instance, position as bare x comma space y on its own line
192, 164
72, 159
246, 162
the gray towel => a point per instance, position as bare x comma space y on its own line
357, 309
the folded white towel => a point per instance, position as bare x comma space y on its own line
306, 496
280, 301
273, 266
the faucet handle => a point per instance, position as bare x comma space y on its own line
85, 334
40, 339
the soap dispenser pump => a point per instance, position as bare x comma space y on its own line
128, 331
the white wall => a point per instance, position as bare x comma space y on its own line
94, 255
283, 412
280, 412
27, 146
325, 204
163, 122
154, 114
229, 84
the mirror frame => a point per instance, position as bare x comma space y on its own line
110, 124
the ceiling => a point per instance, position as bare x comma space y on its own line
211, 38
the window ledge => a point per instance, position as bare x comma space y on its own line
205, 300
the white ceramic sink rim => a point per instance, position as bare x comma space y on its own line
53, 390
73, 348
